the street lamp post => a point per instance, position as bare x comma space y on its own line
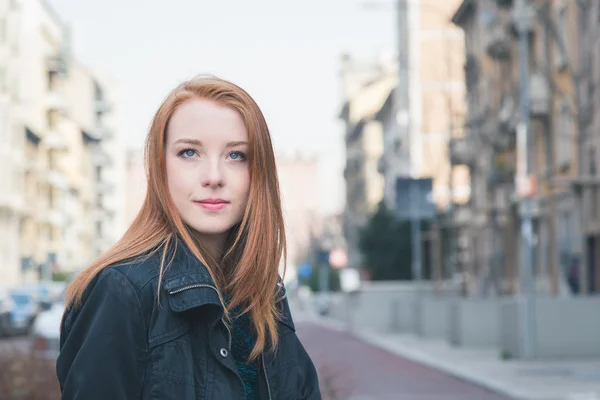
524, 172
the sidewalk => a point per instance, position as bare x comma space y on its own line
539, 380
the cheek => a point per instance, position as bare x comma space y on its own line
244, 186
175, 179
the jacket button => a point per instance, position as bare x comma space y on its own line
224, 353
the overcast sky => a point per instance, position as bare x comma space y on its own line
286, 54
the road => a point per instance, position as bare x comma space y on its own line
16, 343
354, 370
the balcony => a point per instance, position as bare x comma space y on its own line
58, 180
57, 64
471, 72
539, 88
498, 42
100, 157
56, 102
55, 141
524, 17
508, 113
462, 151
56, 218
103, 132
99, 213
12, 202
104, 186
381, 165
103, 243
102, 105
32, 164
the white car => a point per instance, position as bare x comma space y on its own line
46, 331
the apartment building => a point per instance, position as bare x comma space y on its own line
56, 140
366, 91
489, 150
12, 145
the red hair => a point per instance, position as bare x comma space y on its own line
248, 271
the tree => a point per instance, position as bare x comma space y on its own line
385, 244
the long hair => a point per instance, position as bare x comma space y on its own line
248, 271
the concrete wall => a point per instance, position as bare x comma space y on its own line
433, 323
564, 328
474, 322
390, 307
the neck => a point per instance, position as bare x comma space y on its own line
213, 244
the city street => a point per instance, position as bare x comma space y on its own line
353, 370
17, 343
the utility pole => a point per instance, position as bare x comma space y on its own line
524, 183
402, 90
403, 125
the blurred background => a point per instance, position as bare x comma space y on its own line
437, 161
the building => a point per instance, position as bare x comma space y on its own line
111, 174
52, 112
586, 18
96, 153
490, 148
366, 94
43, 66
136, 185
432, 48
12, 145
298, 182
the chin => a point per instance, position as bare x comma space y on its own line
213, 229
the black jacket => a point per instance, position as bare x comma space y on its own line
120, 345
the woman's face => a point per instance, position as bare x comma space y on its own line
207, 168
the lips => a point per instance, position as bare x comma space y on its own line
212, 204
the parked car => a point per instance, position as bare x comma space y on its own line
6, 307
24, 312
45, 332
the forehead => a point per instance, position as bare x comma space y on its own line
206, 120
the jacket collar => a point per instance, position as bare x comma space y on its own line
189, 285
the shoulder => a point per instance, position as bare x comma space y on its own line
142, 272
132, 282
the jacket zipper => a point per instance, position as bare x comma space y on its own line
196, 285
199, 285
266, 376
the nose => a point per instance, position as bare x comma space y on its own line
213, 174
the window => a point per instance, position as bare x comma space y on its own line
2, 30
563, 145
51, 198
52, 118
593, 171
15, 90
52, 81
560, 59
2, 80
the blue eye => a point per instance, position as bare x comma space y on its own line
237, 156
187, 153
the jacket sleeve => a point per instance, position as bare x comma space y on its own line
310, 385
103, 343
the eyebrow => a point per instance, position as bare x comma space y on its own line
198, 143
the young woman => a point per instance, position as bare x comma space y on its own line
189, 304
